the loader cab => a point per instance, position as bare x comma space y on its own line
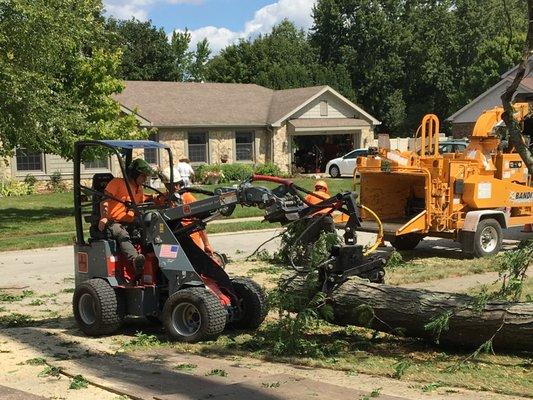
88, 195
179, 285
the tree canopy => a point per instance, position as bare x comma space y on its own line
398, 59
147, 53
57, 74
282, 59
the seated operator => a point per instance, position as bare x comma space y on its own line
116, 217
199, 238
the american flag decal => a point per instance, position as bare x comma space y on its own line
169, 251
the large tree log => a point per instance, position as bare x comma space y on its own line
405, 312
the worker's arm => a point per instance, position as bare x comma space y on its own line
207, 246
104, 208
110, 189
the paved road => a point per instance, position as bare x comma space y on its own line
49, 265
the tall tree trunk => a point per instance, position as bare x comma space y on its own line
515, 135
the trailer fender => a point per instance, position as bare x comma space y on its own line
473, 217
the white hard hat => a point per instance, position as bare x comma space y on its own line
176, 177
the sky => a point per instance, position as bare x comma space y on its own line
222, 22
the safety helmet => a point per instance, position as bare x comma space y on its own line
139, 166
165, 175
321, 185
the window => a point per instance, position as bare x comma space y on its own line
28, 160
198, 147
323, 108
99, 163
151, 156
244, 146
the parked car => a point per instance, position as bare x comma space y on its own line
451, 146
346, 164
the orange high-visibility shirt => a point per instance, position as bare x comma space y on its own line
315, 200
196, 237
117, 211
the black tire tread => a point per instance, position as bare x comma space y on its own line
111, 308
257, 301
338, 169
478, 252
215, 313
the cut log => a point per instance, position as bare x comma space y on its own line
406, 312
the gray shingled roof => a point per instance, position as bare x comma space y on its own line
211, 104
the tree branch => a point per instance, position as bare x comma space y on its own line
515, 134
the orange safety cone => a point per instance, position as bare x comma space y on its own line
527, 228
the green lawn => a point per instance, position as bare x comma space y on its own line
47, 220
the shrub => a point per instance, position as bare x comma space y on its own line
11, 187
268, 169
56, 184
30, 181
222, 173
236, 172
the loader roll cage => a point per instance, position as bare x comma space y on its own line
123, 150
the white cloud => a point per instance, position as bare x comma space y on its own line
126, 9
298, 11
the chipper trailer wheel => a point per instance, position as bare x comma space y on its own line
488, 238
193, 314
98, 308
253, 304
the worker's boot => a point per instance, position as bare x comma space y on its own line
138, 264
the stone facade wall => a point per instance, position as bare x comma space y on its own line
221, 144
176, 140
280, 148
262, 144
367, 137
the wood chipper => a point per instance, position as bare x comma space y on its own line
468, 197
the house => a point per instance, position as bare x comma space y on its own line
463, 120
223, 122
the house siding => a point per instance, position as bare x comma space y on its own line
336, 108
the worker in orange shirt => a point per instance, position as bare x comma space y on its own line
116, 217
199, 238
320, 194
326, 222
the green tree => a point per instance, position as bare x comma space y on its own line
182, 57
201, 56
147, 53
408, 58
57, 75
282, 59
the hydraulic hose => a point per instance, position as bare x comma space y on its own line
379, 236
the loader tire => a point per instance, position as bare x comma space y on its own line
488, 238
98, 308
193, 314
253, 304
406, 242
